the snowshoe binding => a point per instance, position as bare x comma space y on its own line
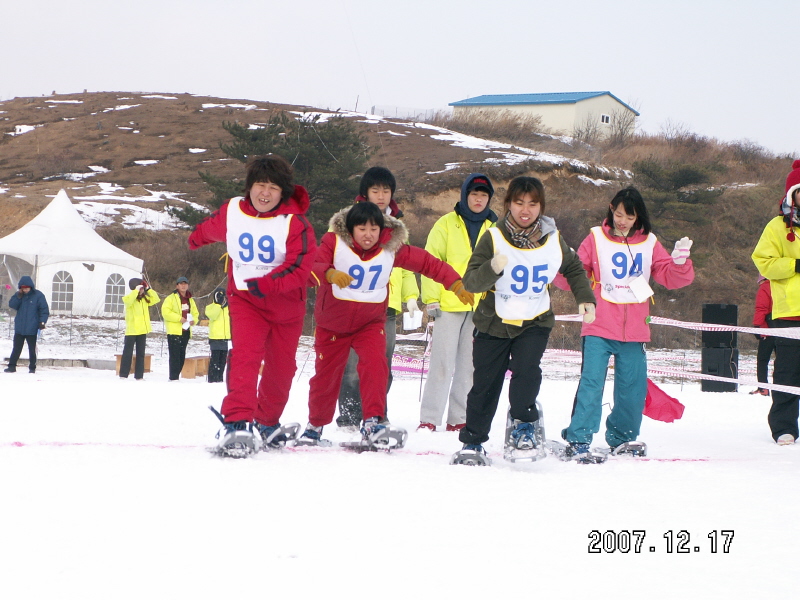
471, 455
274, 437
377, 436
236, 439
312, 436
629, 449
577, 452
524, 441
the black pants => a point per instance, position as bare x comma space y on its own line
131, 342
491, 358
19, 341
766, 346
783, 414
176, 344
216, 366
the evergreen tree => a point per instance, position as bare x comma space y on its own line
328, 158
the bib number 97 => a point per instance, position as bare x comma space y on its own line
357, 273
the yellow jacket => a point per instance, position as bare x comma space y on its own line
137, 315
449, 241
219, 322
171, 313
775, 257
402, 288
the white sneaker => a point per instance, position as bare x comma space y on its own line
785, 440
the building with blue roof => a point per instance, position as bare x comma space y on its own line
569, 113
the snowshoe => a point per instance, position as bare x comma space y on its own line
629, 449
237, 438
274, 437
472, 455
524, 441
237, 441
312, 436
580, 453
377, 436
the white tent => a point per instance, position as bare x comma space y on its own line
76, 269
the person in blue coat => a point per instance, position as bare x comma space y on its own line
32, 315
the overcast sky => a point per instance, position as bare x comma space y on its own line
725, 69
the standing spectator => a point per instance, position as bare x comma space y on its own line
762, 317
777, 257
377, 186
179, 313
271, 247
137, 325
219, 334
32, 315
452, 240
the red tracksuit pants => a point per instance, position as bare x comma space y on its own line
260, 334
332, 350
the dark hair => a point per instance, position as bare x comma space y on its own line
362, 213
520, 186
376, 176
633, 203
270, 169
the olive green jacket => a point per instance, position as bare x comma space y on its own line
479, 277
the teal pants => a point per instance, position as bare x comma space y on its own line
630, 391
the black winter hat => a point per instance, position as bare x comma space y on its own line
134, 282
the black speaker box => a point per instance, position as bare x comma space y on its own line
720, 362
720, 314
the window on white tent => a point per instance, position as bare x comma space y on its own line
62, 292
115, 290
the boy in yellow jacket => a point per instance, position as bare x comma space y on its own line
219, 334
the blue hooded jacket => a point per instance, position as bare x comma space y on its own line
31, 309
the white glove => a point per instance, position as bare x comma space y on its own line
587, 310
139, 288
499, 262
681, 251
434, 310
412, 307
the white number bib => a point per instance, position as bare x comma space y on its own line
256, 245
521, 293
370, 277
621, 264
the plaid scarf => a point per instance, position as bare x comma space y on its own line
523, 238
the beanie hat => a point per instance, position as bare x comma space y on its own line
134, 282
182, 280
792, 185
481, 184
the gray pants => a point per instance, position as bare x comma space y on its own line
450, 370
349, 392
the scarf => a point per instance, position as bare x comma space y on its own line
523, 238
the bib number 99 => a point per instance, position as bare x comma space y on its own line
265, 245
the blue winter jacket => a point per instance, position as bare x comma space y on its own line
31, 309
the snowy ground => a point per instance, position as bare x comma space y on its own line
109, 493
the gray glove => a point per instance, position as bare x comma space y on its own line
434, 310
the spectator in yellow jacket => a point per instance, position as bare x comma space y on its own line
137, 325
219, 335
179, 313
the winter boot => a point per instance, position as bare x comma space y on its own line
472, 455
523, 436
312, 436
582, 453
372, 428
275, 436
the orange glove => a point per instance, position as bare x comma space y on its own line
339, 278
466, 297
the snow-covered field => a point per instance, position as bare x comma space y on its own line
108, 492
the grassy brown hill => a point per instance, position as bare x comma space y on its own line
112, 131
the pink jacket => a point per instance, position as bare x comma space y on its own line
628, 322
